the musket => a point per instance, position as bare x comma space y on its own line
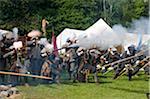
128, 58
125, 70
65, 48
119, 61
9, 53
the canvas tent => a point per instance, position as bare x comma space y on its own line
94, 35
99, 34
67, 34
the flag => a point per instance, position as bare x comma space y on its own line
54, 44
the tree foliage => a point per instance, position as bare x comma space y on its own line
79, 14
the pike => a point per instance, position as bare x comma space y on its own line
26, 75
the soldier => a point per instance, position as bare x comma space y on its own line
141, 64
138, 61
56, 70
2, 61
24, 68
46, 69
121, 65
129, 71
65, 63
95, 61
73, 64
86, 68
36, 59
17, 67
83, 57
14, 79
132, 52
110, 56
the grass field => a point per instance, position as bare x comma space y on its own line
107, 89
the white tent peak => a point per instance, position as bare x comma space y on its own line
100, 25
99, 34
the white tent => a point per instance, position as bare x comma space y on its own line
99, 34
67, 34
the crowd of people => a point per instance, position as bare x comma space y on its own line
77, 61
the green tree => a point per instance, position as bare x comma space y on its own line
79, 14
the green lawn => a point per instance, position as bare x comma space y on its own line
107, 89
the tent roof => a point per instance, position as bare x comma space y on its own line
67, 34
99, 34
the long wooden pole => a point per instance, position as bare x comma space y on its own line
26, 75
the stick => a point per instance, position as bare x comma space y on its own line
122, 73
26, 75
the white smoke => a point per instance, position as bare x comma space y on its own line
119, 29
138, 31
137, 26
149, 27
100, 34
1, 37
103, 36
140, 26
15, 33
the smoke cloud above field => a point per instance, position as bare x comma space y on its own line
140, 25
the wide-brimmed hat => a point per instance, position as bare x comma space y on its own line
34, 34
